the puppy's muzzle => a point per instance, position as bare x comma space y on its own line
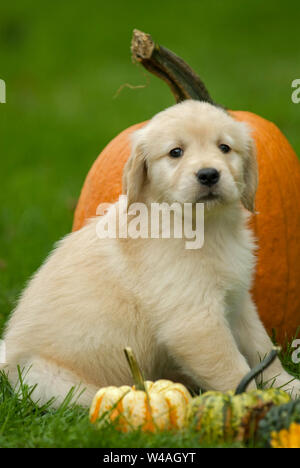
208, 176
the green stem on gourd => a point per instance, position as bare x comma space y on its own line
183, 81
137, 375
264, 364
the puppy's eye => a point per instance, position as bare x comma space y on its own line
176, 152
224, 148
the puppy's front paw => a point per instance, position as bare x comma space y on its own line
289, 384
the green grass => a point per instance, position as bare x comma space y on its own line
24, 424
63, 63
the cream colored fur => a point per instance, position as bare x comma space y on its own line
187, 314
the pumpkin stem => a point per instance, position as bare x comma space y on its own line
269, 359
183, 81
135, 370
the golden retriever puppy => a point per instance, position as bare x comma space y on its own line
187, 313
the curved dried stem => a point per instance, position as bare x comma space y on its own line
264, 364
183, 81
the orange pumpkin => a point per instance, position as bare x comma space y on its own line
276, 224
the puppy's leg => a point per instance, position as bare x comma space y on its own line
255, 343
51, 380
203, 345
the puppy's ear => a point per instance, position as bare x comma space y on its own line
250, 176
135, 173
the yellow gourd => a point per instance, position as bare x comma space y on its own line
148, 406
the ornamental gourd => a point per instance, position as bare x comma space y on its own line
286, 438
148, 406
280, 428
164, 405
235, 416
276, 223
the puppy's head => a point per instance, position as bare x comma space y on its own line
192, 152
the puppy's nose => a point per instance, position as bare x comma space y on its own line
208, 176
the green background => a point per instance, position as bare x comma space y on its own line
63, 62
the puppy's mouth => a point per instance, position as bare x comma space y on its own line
209, 197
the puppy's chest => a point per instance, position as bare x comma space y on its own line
191, 273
